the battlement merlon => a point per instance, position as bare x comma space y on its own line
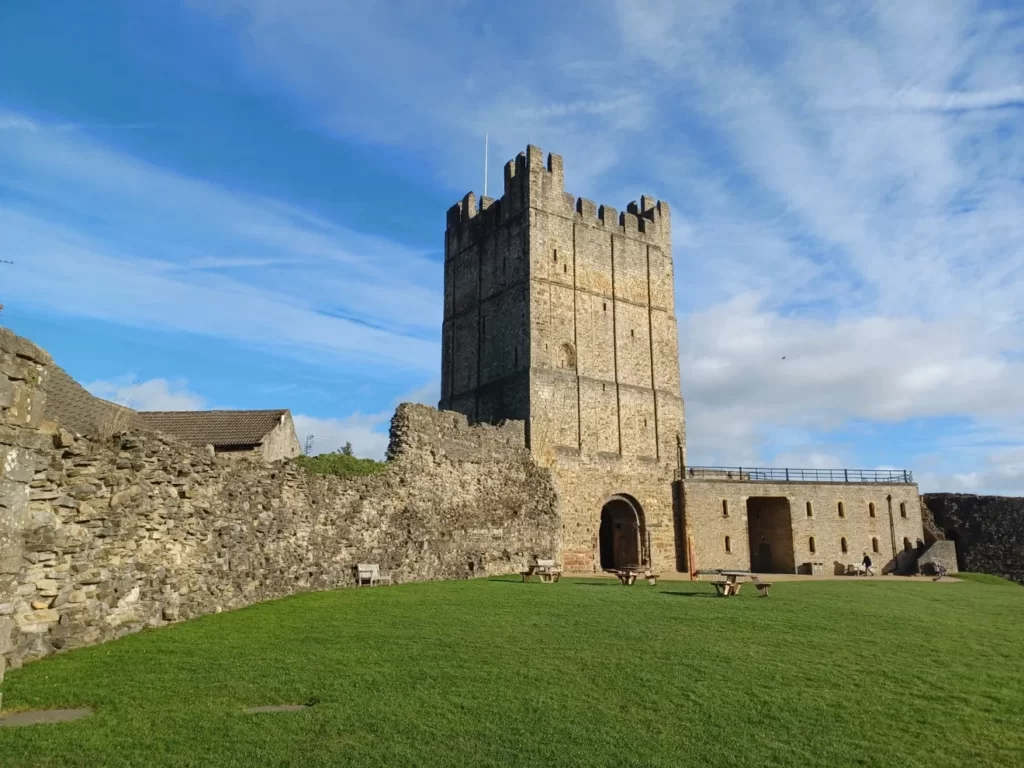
533, 181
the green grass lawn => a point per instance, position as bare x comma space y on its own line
579, 673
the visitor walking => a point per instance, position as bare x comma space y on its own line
868, 571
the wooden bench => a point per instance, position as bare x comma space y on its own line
369, 574
763, 587
727, 588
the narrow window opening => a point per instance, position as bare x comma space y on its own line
631, 332
645, 422
565, 268
516, 357
728, 544
810, 511
871, 508
555, 255
810, 545
874, 544
906, 544
603, 386
725, 508
842, 512
903, 509
842, 544
604, 306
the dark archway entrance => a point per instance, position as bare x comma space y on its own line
622, 535
770, 534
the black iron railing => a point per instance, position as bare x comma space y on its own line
786, 475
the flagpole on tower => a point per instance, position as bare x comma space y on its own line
485, 165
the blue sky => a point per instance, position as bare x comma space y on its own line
240, 203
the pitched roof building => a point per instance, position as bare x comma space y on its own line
269, 433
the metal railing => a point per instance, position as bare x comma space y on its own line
787, 475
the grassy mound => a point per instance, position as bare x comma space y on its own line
986, 578
579, 673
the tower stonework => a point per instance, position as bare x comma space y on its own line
561, 313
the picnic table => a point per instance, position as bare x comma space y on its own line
628, 574
547, 570
731, 581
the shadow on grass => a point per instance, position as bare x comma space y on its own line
690, 594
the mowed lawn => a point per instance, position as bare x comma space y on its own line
579, 673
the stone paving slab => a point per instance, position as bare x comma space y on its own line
41, 716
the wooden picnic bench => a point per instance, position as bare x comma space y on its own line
628, 574
729, 587
548, 570
726, 588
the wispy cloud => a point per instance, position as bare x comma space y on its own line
845, 180
149, 395
141, 245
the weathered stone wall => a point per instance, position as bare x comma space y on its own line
988, 531
281, 442
98, 539
942, 553
814, 511
562, 313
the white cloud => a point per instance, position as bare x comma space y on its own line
367, 433
149, 395
141, 245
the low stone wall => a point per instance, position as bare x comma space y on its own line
988, 531
99, 539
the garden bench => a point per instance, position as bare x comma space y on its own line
548, 570
369, 573
763, 587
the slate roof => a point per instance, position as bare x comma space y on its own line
216, 428
72, 406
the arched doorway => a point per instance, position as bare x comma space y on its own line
622, 535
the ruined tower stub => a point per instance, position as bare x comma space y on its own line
561, 312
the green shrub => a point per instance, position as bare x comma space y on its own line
340, 464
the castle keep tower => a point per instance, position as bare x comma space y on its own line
562, 313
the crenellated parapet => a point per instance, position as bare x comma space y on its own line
533, 181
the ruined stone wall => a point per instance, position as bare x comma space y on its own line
98, 539
814, 511
988, 531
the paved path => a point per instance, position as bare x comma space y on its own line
773, 577
40, 716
